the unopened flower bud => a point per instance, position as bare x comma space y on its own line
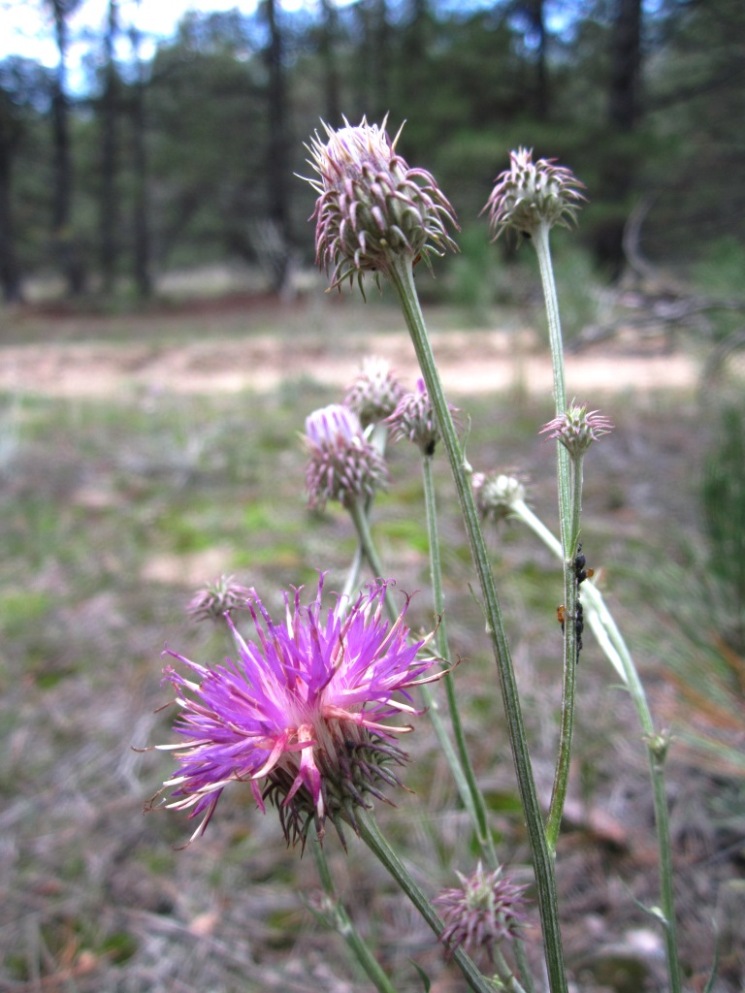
374, 394
529, 194
415, 420
343, 465
577, 428
217, 599
496, 494
485, 910
372, 206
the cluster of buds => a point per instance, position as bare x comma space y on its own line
496, 494
530, 194
375, 392
577, 428
343, 465
484, 911
373, 208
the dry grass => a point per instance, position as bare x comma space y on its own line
112, 510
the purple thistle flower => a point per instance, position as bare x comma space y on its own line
372, 206
343, 465
375, 392
415, 420
485, 910
301, 714
529, 194
577, 428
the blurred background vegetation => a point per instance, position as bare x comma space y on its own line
181, 153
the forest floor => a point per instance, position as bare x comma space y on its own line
141, 456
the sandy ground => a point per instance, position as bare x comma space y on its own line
470, 362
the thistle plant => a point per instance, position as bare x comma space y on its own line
308, 713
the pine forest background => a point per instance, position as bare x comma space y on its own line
145, 165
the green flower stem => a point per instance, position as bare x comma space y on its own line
540, 242
571, 654
477, 805
370, 833
616, 650
367, 544
343, 925
378, 438
352, 582
402, 277
507, 978
569, 476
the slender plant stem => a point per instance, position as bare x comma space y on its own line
571, 657
540, 242
569, 472
616, 650
344, 926
379, 846
402, 277
478, 807
370, 551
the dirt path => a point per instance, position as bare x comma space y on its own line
470, 361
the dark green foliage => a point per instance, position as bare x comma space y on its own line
471, 83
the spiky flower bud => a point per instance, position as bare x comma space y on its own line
372, 207
415, 420
343, 465
496, 494
375, 392
577, 428
485, 910
217, 599
529, 194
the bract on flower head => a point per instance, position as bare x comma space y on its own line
485, 910
577, 428
529, 194
496, 494
414, 419
216, 599
375, 391
372, 206
343, 465
301, 714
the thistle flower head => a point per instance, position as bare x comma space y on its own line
217, 599
485, 910
372, 206
577, 428
496, 493
415, 420
375, 392
301, 714
529, 194
343, 465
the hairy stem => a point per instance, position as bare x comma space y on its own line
402, 277
342, 923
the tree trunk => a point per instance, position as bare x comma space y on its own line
618, 171
64, 245
141, 240
109, 205
538, 22
10, 273
327, 52
277, 158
